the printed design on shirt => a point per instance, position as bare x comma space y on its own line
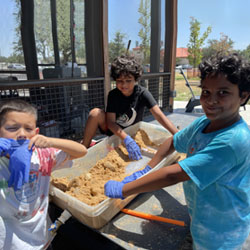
20, 215
127, 118
199, 144
29, 191
47, 160
195, 147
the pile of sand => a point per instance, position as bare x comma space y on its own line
89, 187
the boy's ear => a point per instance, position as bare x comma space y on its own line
244, 98
37, 131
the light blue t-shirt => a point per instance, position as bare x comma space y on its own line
218, 194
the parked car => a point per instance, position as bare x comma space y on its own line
184, 66
16, 66
187, 66
83, 69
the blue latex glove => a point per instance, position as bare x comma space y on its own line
5, 145
19, 165
136, 175
113, 189
133, 149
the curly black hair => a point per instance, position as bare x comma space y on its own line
233, 67
125, 65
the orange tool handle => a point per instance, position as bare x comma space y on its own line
152, 217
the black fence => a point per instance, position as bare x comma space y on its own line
63, 104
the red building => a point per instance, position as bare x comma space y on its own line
181, 52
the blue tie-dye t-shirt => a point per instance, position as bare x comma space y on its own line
218, 194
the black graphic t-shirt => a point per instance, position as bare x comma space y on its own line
129, 109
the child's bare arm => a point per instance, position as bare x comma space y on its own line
74, 149
161, 178
116, 129
163, 120
166, 148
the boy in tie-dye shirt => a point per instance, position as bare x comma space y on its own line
26, 162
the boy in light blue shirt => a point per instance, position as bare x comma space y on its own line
216, 172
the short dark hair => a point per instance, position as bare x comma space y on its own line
232, 66
16, 105
125, 65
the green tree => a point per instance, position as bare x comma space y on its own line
3, 59
117, 46
144, 33
63, 29
222, 46
196, 42
79, 32
245, 53
43, 31
17, 55
42, 28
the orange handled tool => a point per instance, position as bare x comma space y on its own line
152, 217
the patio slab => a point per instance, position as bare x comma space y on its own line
182, 119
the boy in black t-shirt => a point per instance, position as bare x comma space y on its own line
126, 104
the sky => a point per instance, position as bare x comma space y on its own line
7, 22
230, 17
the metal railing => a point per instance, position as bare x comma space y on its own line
63, 104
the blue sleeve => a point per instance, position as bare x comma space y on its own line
209, 164
182, 138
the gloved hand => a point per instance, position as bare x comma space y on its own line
19, 165
5, 145
133, 149
113, 189
136, 175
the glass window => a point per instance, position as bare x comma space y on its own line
43, 34
79, 33
11, 51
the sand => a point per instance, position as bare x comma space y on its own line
89, 187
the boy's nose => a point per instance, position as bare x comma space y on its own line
213, 99
21, 134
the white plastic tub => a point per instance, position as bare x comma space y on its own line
97, 216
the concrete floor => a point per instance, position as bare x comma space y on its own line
179, 109
182, 119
